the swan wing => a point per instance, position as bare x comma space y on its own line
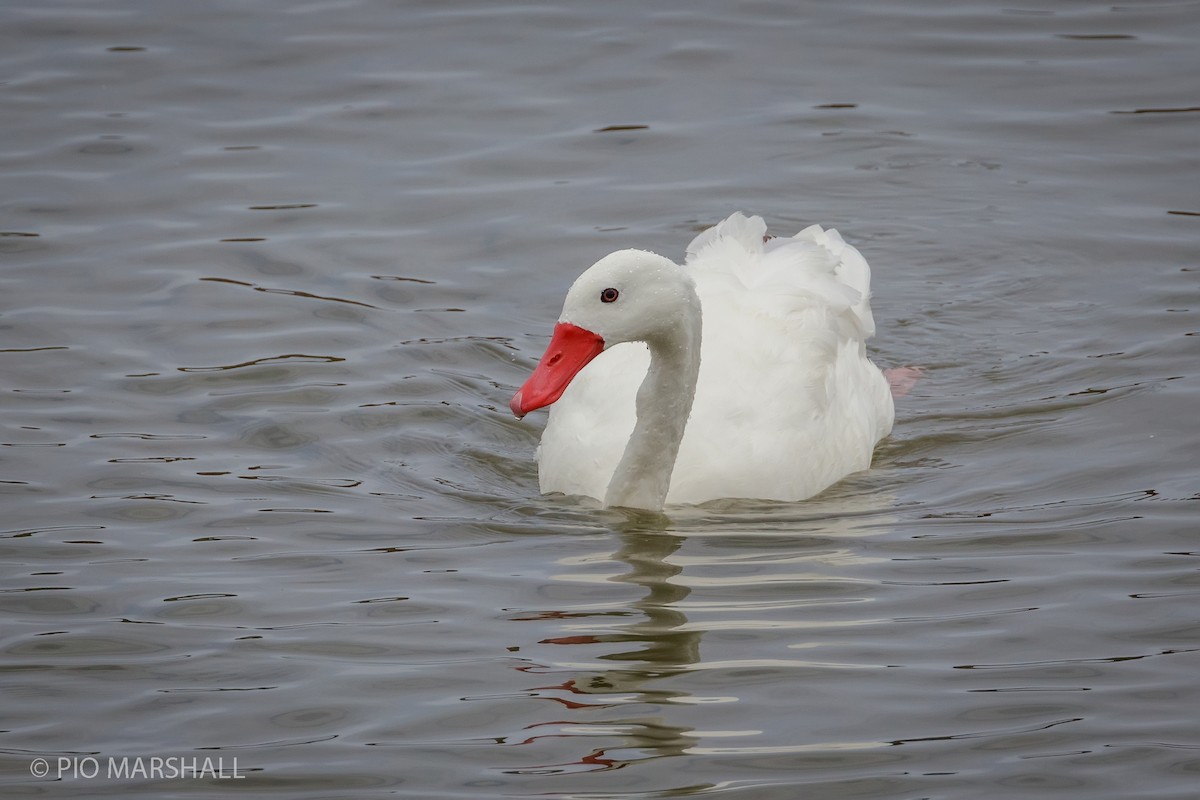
787, 402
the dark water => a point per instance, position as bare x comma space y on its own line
270, 271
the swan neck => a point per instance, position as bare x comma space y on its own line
664, 403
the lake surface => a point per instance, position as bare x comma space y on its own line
270, 272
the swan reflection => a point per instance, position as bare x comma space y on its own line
633, 670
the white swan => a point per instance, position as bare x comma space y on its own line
742, 374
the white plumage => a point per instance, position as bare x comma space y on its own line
786, 402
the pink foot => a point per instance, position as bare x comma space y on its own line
903, 379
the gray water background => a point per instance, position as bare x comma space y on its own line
270, 271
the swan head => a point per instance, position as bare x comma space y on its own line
627, 296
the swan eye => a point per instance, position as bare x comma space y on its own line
609, 295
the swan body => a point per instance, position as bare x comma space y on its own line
740, 374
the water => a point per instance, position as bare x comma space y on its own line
270, 272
